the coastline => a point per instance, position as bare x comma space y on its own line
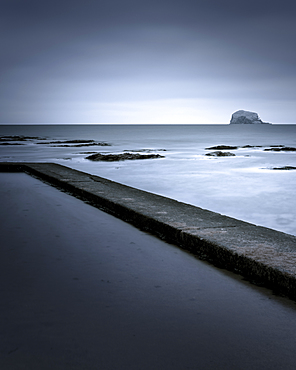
243, 186
262, 255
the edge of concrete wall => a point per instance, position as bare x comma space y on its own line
263, 256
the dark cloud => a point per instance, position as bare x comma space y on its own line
130, 50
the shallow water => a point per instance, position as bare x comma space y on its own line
243, 186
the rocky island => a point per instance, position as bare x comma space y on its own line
246, 117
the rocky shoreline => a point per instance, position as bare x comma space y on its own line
21, 140
139, 154
75, 143
220, 151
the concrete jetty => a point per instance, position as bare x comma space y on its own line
262, 255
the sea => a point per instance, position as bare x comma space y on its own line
254, 183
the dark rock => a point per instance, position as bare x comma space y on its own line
87, 152
222, 147
121, 157
19, 138
145, 150
79, 145
12, 144
281, 148
74, 143
285, 168
220, 154
252, 146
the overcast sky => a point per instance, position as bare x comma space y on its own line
147, 61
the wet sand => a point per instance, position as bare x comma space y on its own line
81, 289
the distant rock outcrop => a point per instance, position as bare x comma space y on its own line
246, 117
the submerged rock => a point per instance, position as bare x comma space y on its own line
285, 168
11, 144
74, 143
246, 117
220, 154
121, 157
223, 147
280, 148
145, 150
79, 145
251, 146
19, 138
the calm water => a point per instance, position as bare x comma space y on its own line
243, 186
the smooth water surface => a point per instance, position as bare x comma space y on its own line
244, 186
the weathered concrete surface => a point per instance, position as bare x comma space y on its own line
262, 255
81, 289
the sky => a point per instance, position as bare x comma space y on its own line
147, 61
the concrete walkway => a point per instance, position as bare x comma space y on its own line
81, 289
258, 253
